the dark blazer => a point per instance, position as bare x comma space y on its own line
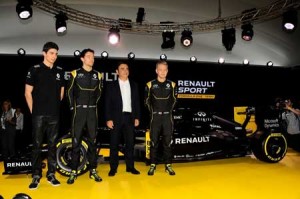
113, 101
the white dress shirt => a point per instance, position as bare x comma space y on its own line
19, 121
126, 95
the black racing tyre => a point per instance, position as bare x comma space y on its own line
269, 147
63, 156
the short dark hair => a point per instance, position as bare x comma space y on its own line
47, 46
120, 63
84, 51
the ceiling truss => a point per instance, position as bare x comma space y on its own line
274, 10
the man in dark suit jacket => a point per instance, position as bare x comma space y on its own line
122, 114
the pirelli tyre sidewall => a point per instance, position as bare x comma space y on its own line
269, 147
63, 156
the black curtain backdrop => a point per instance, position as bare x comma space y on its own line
235, 85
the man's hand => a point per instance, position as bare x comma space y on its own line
136, 122
110, 124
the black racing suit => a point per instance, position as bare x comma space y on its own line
84, 91
160, 98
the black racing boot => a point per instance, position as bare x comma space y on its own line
151, 170
95, 176
169, 169
72, 177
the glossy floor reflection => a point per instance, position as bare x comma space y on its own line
235, 178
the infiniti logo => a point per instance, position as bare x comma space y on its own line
201, 114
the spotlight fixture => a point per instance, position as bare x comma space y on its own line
228, 38
24, 9
104, 55
289, 21
168, 39
186, 38
61, 24
140, 15
247, 32
245, 62
77, 53
21, 52
193, 59
131, 55
163, 57
114, 35
221, 60
269, 63
247, 28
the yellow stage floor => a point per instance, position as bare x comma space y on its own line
235, 178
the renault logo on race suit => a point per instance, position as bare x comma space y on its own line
94, 76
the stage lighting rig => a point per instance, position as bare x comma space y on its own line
186, 38
228, 38
114, 35
61, 23
24, 9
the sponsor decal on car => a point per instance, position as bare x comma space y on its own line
191, 140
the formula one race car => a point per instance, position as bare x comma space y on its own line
198, 135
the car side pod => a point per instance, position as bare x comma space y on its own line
268, 146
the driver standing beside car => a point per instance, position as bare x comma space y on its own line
44, 90
160, 98
83, 92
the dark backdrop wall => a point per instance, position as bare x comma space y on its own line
234, 85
